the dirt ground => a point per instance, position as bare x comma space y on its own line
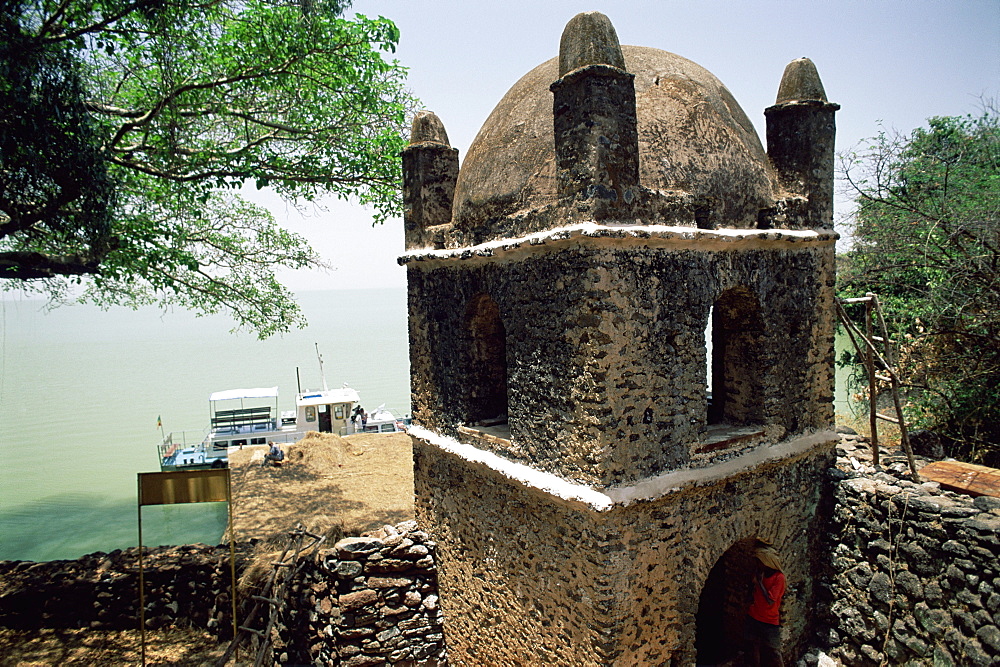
32, 648
356, 484
331, 485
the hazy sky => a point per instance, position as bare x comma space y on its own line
890, 62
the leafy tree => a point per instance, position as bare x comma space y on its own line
129, 127
927, 239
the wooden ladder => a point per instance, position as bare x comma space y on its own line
866, 345
271, 597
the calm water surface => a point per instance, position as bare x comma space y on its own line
81, 390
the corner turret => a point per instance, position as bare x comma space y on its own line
430, 170
594, 114
800, 141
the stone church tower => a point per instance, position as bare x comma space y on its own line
621, 349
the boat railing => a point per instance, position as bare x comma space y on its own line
230, 429
223, 441
184, 438
284, 438
180, 440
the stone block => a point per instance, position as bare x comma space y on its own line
357, 548
942, 658
989, 637
975, 656
918, 559
880, 587
389, 582
909, 584
348, 569
388, 565
955, 548
933, 621
357, 599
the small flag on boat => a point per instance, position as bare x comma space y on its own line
159, 424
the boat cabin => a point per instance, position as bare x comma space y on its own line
327, 411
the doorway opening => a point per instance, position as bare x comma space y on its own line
325, 419
723, 605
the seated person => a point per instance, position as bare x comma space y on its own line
275, 454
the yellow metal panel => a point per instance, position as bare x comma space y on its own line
189, 486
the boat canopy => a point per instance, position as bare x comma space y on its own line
263, 392
345, 395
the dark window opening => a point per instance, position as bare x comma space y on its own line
737, 346
703, 218
765, 217
488, 363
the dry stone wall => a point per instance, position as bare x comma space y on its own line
186, 585
914, 571
367, 601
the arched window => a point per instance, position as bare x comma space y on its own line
488, 362
736, 369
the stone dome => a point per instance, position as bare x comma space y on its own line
694, 141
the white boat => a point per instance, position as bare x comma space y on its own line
380, 421
238, 420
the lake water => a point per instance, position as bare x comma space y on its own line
81, 391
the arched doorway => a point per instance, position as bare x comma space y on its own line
737, 346
722, 606
487, 362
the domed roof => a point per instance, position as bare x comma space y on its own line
694, 141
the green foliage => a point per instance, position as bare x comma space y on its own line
128, 128
927, 240
58, 206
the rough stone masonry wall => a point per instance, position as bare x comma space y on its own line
676, 541
516, 587
915, 571
605, 348
531, 578
367, 601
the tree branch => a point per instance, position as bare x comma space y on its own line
24, 265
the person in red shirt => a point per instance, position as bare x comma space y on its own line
764, 623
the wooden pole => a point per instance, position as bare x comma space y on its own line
232, 553
904, 436
872, 389
142, 583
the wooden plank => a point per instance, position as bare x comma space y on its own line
968, 478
